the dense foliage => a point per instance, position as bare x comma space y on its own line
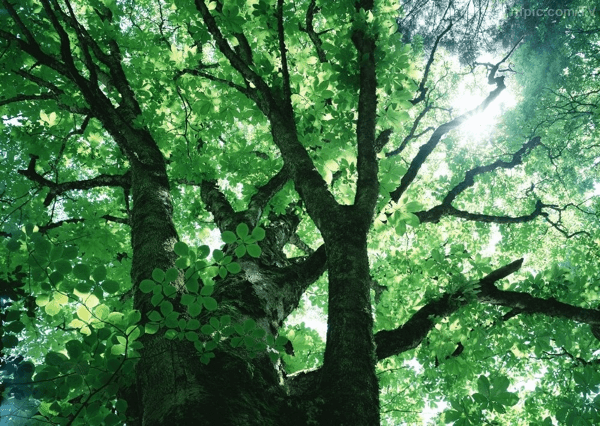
287, 212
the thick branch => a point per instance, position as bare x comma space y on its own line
411, 334
57, 189
264, 195
225, 217
296, 278
367, 186
436, 213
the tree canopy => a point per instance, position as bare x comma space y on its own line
279, 212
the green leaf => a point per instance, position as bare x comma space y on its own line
166, 307
222, 271
228, 237
74, 349
182, 262
157, 297
110, 286
55, 358
207, 290
242, 230
171, 334
203, 252
181, 248
225, 321
240, 250
249, 324
258, 234
52, 308
234, 268
413, 206
254, 250
146, 286
155, 316
99, 273
63, 266
192, 286
207, 329
169, 290
209, 303
82, 271
151, 328
13, 245
193, 324
218, 255
158, 275
171, 274
186, 299
483, 385
194, 309
191, 336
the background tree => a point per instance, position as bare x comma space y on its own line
333, 168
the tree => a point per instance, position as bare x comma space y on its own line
331, 163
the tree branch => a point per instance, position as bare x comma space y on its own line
436, 213
367, 186
109, 218
285, 71
310, 30
309, 183
226, 218
413, 332
422, 90
57, 189
197, 72
441, 131
265, 193
411, 134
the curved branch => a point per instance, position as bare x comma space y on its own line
411, 334
422, 89
57, 189
469, 180
441, 131
436, 213
225, 217
259, 200
414, 331
411, 135
310, 30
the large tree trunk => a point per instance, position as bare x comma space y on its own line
235, 388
